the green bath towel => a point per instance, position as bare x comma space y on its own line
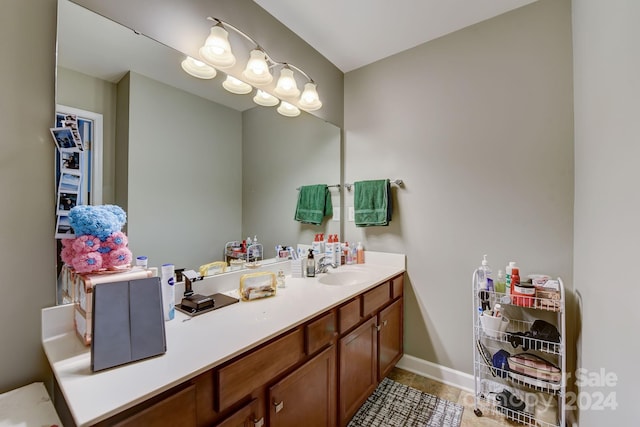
372, 203
314, 203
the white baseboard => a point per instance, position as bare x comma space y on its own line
437, 372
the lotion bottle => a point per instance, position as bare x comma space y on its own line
168, 291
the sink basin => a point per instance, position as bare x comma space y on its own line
344, 278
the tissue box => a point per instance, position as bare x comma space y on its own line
257, 285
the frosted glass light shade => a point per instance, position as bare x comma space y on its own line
265, 99
217, 50
286, 86
288, 110
198, 68
257, 70
236, 86
310, 101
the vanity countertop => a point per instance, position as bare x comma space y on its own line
230, 331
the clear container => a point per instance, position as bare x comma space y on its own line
280, 280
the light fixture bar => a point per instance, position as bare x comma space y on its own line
217, 53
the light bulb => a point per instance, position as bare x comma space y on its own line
236, 86
289, 110
198, 68
310, 101
286, 86
217, 50
265, 99
257, 70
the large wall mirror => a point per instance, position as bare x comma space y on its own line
193, 165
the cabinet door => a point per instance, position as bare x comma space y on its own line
306, 397
389, 338
358, 368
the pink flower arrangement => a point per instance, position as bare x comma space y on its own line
86, 243
99, 243
117, 240
118, 257
87, 262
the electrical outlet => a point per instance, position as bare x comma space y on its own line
352, 214
336, 213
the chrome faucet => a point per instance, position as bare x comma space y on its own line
322, 266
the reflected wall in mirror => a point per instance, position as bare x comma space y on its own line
193, 165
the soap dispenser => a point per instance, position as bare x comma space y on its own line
311, 264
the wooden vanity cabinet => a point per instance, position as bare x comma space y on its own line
317, 374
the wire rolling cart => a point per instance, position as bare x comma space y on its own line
540, 403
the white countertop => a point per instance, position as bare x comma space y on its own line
194, 344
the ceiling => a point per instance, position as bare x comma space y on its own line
355, 33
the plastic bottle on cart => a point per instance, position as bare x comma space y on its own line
500, 284
484, 275
508, 271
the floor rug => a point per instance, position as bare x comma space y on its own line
396, 405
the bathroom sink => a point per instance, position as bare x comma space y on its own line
344, 278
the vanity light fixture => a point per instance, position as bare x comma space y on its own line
216, 53
198, 68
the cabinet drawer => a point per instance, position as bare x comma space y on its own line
397, 284
178, 409
240, 378
349, 315
320, 332
375, 299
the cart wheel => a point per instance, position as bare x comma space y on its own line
478, 412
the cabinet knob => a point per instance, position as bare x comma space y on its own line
378, 327
258, 423
278, 406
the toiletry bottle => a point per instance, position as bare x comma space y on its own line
337, 251
359, 253
484, 274
508, 271
500, 285
328, 250
168, 291
311, 264
280, 279
348, 255
315, 246
141, 261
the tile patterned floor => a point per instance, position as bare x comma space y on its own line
453, 394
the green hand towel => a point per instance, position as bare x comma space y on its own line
372, 203
314, 203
